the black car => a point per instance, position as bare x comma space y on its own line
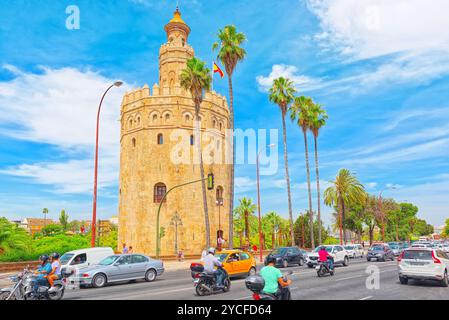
287, 256
380, 252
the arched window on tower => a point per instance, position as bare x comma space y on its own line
192, 140
134, 142
160, 139
160, 190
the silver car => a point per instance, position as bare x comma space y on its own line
121, 267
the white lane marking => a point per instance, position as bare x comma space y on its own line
363, 275
367, 298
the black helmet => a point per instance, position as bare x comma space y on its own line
44, 258
271, 259
55, 255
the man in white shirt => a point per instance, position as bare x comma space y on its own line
210, 262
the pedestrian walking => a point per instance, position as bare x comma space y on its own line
125, 249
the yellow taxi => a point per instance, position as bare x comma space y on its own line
237, 262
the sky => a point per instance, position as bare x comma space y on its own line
380, 68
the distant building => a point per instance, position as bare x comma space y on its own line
438, 229
114, 220
35, 225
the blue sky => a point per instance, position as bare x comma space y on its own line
380, 68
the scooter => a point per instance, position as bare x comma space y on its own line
205, 283
323, 268
256, 284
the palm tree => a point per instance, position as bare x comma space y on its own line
319, 117
300, 111
281, 93
274, 220
345, 190
196, 78
230, 53
246, 209
45, 212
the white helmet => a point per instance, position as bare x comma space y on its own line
211, 250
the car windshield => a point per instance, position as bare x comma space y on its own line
328, 249
66, 258
108, 261
377, 248
221, 256
349, 247
279, 251
418, 254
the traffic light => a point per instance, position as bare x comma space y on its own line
210, 181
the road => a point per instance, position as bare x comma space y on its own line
349, 283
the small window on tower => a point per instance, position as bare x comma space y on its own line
183, 42
134, 142
160, 139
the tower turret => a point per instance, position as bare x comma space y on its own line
174, 54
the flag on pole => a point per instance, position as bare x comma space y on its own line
217, 69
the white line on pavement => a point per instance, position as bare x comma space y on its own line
367, 298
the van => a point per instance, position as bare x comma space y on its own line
85, 257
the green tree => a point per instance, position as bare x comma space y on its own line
300, 111
302, 224
246, 209
196, 79
272, 221
344, 191
319, 118
281, 93
13, 237
64, 220
52, 229
230, 53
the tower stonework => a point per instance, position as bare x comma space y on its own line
152, 123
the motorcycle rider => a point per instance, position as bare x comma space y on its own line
55, 273
210, 262
42, 272
274, 281
326, 258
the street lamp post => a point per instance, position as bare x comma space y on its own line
258, 202
219, 203
94, 209
176, 222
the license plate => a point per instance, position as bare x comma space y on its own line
196, 281
317, 268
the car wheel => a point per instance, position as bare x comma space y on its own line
285, 264
99, 281
368, 259
403, 280
445, 282
252, 272
150, 275
346, 262
310, 265
301, 262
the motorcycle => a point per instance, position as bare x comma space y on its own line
323, 268
23, 288
206, 283
256, 284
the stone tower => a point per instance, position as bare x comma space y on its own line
157, 130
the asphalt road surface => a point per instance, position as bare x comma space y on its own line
348, 283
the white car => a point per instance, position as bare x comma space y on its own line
338, 252
355, 250
423, 264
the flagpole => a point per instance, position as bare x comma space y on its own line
212, 73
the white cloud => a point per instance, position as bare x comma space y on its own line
302, 82
59, 107
372, 28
